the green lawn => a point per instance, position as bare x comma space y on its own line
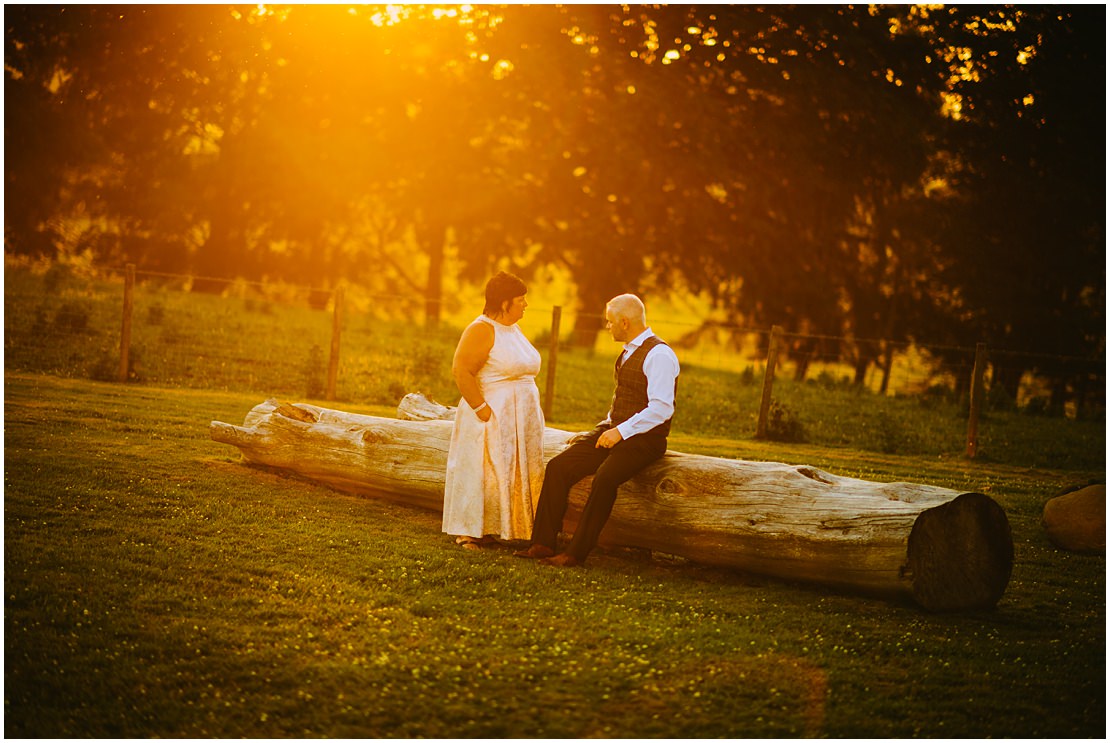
155, 586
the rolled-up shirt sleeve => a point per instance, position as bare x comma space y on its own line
661, 369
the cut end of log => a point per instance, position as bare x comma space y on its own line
960, 554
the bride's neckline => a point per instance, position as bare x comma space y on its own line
495, 321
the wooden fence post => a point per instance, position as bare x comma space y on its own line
552, 360
976, 399
768, 382
336, 327
125, 330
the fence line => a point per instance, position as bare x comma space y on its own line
413, 363
730, 327
775, 349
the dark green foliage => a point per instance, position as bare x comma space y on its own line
72, 317
156, 314
56, 277
105, 368
796, 163
783, 424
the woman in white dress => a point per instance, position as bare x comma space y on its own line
495, 463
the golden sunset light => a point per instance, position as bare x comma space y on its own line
555, 371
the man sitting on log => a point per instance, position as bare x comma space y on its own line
632, 436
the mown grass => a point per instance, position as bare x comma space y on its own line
157, 587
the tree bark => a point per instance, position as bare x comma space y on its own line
940, 548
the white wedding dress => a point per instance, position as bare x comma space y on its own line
495, 468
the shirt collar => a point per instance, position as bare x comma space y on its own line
638, 340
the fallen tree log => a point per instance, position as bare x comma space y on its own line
943, 549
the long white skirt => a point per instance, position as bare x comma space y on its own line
495, 468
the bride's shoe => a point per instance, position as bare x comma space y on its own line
473, 543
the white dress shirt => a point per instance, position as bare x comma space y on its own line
661, 369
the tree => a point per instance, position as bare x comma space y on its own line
1027, 231
847, 171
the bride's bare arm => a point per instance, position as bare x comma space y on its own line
470, 356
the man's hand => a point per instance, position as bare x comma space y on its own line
609, 439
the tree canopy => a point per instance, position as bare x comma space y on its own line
899, 172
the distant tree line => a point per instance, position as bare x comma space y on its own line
891, 172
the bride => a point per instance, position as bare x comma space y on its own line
495, 461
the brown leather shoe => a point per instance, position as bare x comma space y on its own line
562, 561
534, 552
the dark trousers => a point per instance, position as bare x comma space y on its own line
610, 468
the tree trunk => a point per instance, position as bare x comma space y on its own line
801, 354
433, 300
433, 237
585, 330
1006, 378
943, 549
862, 363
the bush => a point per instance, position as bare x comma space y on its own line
937, 394
72, 317
1042, 406
997, 398
890, 435
831, 381
106, 366
56, 277
262, 307
40, 327
783, 424
155, 314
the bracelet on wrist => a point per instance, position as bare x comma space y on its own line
481, 407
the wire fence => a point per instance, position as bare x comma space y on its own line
353, 344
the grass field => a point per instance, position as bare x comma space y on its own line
157, 587
62, 323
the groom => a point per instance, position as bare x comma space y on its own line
633, 436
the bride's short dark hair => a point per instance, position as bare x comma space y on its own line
500, 289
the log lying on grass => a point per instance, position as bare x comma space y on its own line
944, 549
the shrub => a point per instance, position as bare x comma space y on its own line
395, 393
890, 435
105, 369
106, 366
56, 277
997, 398
155, 314
937, 394
262, 307
831, 381
39, 327
72, 317
783, 424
